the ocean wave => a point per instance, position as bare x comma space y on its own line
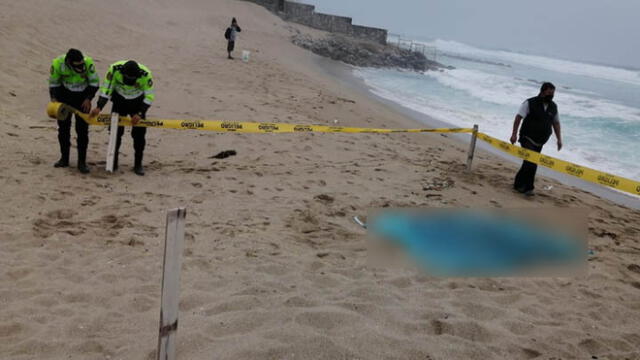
597, 136
505, 90
557, 65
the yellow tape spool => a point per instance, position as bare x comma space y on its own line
58, 111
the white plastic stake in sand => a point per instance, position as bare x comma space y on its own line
472, 147
173, 246
113, 136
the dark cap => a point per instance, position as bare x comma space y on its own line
131, 68
74, 55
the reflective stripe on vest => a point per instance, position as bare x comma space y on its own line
128, 92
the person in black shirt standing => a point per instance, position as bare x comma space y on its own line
230, 34
539, 117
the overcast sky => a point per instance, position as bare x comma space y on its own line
605, 31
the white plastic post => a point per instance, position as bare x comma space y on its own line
113, 136
174, 240
472, 147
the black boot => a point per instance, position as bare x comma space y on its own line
64, 159
115, 161
62, 163
64, 127
137, 167
84, 168
82, 162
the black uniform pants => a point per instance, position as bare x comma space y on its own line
527, 174
131, 107
74, 99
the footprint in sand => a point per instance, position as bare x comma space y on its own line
299, 302
469, 330
593, 346
530, 353
634, 268
11, 329
326, 320
521, 328
61, 214
238, 304
93, 347
233, 324
19, 274
142, 303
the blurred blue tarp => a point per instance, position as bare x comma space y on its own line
472, 244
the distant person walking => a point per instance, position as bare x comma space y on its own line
73, 81
230, 35
539, 117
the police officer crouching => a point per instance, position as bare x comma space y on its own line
74, 82
129, 86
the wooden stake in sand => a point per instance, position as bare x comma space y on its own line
113, 136
173, 245
472, 147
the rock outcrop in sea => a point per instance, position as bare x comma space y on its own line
364, 53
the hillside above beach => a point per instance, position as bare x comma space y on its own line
274, 266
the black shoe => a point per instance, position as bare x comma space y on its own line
139, 170
61, 163
224, 154
529, 193
83, 168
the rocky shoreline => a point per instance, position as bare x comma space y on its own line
364, 53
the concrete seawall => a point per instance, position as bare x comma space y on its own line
306, 15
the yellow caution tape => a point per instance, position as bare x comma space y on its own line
61, 111
582, 172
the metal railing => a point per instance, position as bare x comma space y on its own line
430, 52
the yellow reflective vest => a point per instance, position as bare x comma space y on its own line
63, 75
114, 81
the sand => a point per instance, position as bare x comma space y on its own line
271, 269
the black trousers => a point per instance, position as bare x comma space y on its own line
527, 174
131, 107
74, 99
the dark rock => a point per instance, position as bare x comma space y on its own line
635, 268
364, 53
224, 154
325, 198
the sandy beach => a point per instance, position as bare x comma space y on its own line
274, 267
